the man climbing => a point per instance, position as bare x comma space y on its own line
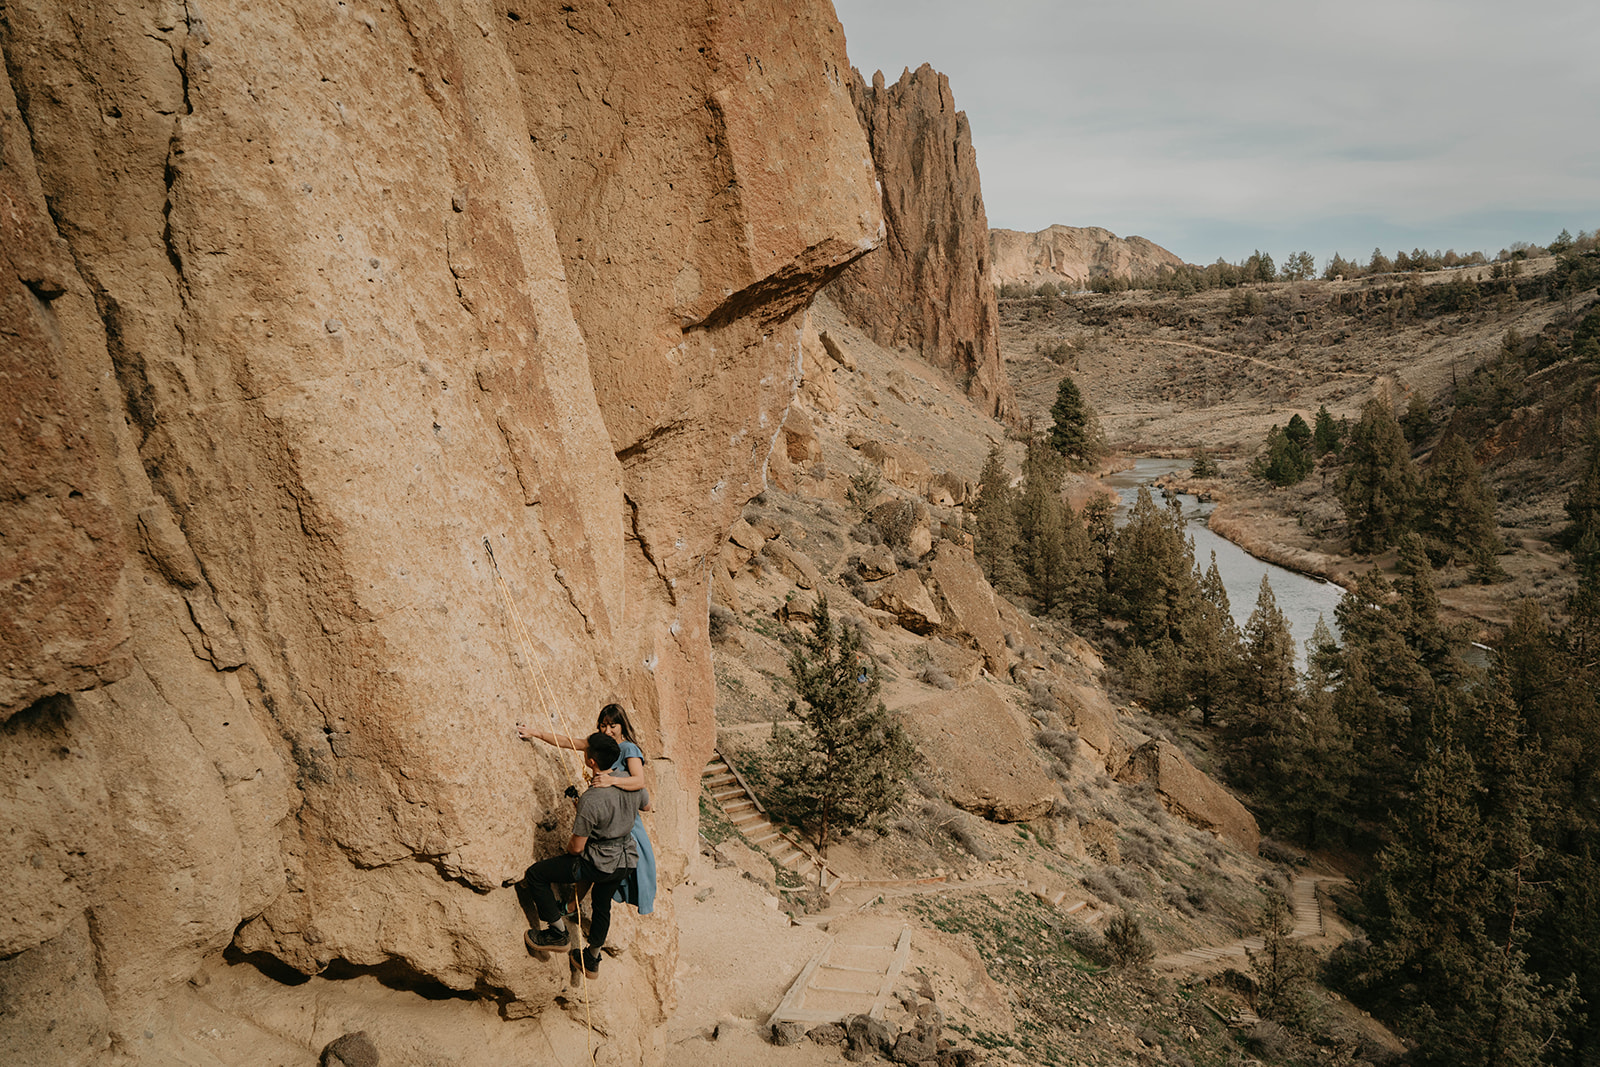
600, 851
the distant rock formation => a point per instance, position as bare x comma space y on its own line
1072, 254
928, 287
301, 307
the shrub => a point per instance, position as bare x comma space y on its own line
1129, 947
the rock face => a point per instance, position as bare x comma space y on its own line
1189, 794
1073, 255
304, 308
929, 286
980, 741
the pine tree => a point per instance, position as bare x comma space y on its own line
1270, 679
1151, 584
1266, 694
1211, 656
1041, 529
1075, 434
847, 761
1457, 516
1283, 968
1379, 486
995, 539
1325, 434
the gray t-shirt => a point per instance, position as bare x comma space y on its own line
605, 817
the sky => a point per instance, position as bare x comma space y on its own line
1219, 127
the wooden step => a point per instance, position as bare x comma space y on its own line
719, 781
739, 807
724, 793
749, 818
715, 769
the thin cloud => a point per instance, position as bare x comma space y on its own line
1211, 128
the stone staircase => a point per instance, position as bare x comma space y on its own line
739, 803
1307, 912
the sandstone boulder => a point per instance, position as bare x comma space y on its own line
838, 352
906, 598
793, 564
902, 466
800, 442
978, 745
874, 562
1190, 794
970, 613
1089, 711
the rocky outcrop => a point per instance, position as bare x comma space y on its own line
979, 742
1072, 255
304, 308
929, 286
1190, 794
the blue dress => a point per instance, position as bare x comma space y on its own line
639, 888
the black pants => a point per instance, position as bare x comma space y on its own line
538, 898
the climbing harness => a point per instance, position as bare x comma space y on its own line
544, 694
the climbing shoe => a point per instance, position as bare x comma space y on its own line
546, 940
585, 962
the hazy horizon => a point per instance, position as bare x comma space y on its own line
1215, 130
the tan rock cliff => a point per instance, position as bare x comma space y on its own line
303, 304
929, 286
1073, 255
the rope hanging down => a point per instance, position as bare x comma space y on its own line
544, 694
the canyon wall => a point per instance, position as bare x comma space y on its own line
1072, 255
928, 287
306, 306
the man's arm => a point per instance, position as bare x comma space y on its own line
576, 845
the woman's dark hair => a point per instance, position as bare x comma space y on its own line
613, 713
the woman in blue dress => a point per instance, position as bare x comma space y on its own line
639, 888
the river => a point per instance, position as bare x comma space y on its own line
1301, 598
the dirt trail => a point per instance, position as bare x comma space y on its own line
1251, 359
1307, 909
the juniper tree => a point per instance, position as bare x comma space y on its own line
995, 539
1379, 487
1456, 517
1150, 582
1324, 434
1075, 434
1283, 968
846, 762
1211, 657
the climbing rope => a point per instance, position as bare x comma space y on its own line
544, 694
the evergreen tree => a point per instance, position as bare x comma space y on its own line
995, 537
1379, 487
1325, 434
847, 761
1312, 766
1283, 968
1284, 461
1583, 503
1211, 658
1075, 434
1151, 584
1417, 424
1203, 466
1041, 528
1267, 689
1456, 516
1270, 679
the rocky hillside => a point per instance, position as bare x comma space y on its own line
927, 286
305, 310
1168, 372
1071, 256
